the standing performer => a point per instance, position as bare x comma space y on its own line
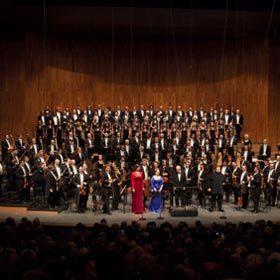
243, 187
116, 186
107, 182
217, 181
254, 185
202, 179
1, 177
271, 183
179, 186
235, 178
137, 184
156, 185
81, 182
21, 181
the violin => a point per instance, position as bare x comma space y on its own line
239, 201
82, 190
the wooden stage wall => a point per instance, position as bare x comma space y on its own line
67, 71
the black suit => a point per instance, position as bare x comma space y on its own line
267, 153
21, 182
238, 125
80, 158
81, 199
106, 186
179, 185
216, 182
244, 189
202, 181
271, 187
255, 188
5, 148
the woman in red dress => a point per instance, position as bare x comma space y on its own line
137, 186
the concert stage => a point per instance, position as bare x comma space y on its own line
70, 217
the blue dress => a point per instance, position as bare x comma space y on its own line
156, 202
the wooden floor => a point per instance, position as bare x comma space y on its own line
70, 217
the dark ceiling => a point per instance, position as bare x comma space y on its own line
145, 18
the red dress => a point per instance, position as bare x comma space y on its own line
137, 184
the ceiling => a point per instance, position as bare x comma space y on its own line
146, 18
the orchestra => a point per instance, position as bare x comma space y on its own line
81, 153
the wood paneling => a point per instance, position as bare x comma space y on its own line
67, 71
274, 95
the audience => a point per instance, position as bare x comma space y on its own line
29, 250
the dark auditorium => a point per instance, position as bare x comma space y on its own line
140, 139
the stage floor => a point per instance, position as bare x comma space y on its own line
70, 217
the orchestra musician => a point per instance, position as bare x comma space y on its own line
271, 185
21, 182
254, 185
6, 146
20, 145
82, 189
265, 150
50, 186
71, 149
108, 178
236, 173
29, 176
202, 180
117, 185
243, 186
146, 172
2, 173
226, 171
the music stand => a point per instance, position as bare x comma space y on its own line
160, 217
124, 190
142, 217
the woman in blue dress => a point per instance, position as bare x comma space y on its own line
156, 185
